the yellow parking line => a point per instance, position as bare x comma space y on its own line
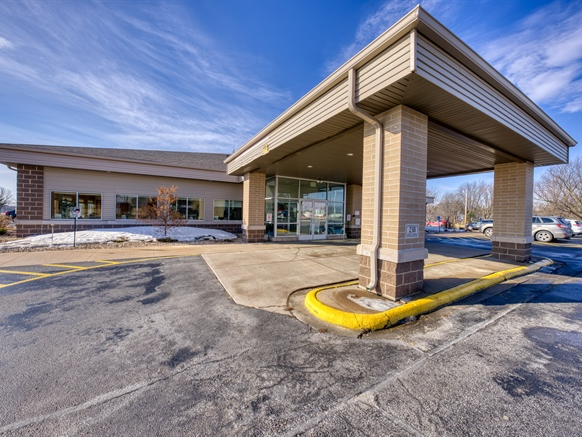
23, 281
15, 272
74, 269
65, 266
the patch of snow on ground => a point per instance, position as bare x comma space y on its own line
135, 234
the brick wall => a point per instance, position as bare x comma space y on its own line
29, 194
254, 207
513, 199
512, 211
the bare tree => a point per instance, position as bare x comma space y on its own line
161, 211
431, 208
6, 197
479, 199
559, 190
451, 205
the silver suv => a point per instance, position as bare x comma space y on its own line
549, 228
543, 228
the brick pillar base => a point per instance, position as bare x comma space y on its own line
395, 280
353, 232
253, 235
518, 252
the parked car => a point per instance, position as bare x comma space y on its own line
544, 228
11, 213
479, 225
576, 226
548, 228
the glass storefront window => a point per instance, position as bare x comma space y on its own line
269, 216
125, 206
90, 206
145, 200
195, 209
142, 205
321, 205
286, 212
286, 229
288, 188
270, 188
335, 228
190, 209
269, 211
335, 212
181, 206
235, 210
228, 210
61, 205
335, 218
336, 193
221, 210
313, 190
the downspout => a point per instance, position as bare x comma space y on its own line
377, 176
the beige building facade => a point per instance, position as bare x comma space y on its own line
110, 185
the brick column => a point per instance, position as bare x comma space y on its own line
512, 211
254, 207
353, 205
29, 198
402, 252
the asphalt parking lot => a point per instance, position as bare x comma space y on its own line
154, 347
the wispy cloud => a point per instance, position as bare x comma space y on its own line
146, 73
543, 57
5, 44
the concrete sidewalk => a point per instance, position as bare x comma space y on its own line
267, 275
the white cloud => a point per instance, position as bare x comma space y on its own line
145, 73
5, 44
543, 57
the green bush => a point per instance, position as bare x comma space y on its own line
3, 231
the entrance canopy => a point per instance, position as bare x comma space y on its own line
476, 118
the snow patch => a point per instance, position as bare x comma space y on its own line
134, 234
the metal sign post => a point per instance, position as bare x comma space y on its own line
75, 213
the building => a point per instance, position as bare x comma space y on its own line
416, 103
109, 186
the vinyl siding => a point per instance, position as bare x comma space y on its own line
390, 66
439, 68
111, 184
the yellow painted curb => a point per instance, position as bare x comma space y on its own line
373, 322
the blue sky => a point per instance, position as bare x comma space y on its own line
207, 75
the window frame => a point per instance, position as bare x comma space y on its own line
76, 194
228, 207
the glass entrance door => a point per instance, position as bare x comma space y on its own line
312, 219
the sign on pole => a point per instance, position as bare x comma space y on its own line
75, 213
